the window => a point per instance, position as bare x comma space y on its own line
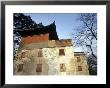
78, 59
62, 68
19, 67
79, 68
39, 68
18, 56
40, 53
23, 55
61, 52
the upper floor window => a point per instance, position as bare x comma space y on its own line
61, 52
23, 54
78, 59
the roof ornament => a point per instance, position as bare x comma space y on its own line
54, 22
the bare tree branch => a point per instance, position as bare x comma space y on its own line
86, 37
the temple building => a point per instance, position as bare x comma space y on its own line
42, 53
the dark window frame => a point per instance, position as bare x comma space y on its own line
80, 68
78, 59
61, 52
39, 68
62, 67
20, 68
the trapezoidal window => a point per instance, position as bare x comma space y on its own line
78, 59
61, 52
19, 67
40, 53
39, 68
62, 68
79, 68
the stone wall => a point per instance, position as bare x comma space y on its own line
30, 61
30, 44
51, 62
60, 43
34, 46
82, 63
54, 59
49, 57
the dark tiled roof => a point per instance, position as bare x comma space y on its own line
50, 29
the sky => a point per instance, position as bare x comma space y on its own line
66, 23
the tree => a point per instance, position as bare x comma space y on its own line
22, 22
86, 37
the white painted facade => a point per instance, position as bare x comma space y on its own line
52, 61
